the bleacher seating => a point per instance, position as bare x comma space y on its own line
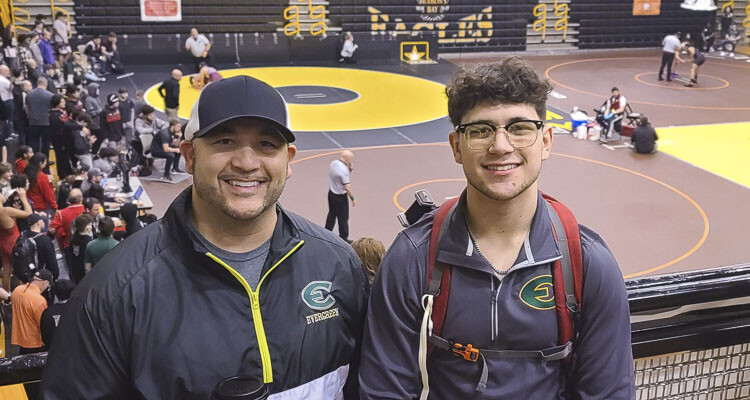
509, 20
611, 23
216, 16
602, 23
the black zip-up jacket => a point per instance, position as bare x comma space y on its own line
170, 91
160, 318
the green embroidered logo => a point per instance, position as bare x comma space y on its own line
538, 293
317, 295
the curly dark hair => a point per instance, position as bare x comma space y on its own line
511, 80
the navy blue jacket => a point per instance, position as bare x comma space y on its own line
516, 313
161, 318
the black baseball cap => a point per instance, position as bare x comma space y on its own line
33, 219
238, 97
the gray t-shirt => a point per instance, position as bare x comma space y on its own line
671, 43
197, 45
338, 176
249, 264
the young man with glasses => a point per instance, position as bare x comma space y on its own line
499, 243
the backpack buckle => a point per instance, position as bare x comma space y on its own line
468, 352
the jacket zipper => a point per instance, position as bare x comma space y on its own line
260, 332
494, 321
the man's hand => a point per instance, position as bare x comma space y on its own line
354, 202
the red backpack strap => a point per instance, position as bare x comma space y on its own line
567, 273
438, 274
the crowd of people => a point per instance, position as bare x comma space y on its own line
53, 227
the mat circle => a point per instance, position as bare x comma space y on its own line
385, 99
724, 83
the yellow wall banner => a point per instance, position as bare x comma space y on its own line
646, 7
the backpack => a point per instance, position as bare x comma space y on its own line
567, 278
24, 258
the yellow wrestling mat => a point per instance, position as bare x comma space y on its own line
381, 99
722, 149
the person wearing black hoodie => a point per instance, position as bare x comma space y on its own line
79, 138
111, 121
129, 215
58, 117
93, 106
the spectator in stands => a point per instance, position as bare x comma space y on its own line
28, 306
93, 207
613, 113
57, 120
6, 172
95, 56
23, 155
81, 236
370, 252
62, 30
53, 78
93, 187
45, 249
80, 138
60, 225
128, 115
6, 96
129, 216
36, 52
707, 37
112, 123
112, 53
727, 17
40, 189
94, 108
671, 45
51, 316
9, 231
166, 145
170, 91
147, 123
138, 103
696, 58
107, 161
10, 46
48, 53
26, 59
21, 88
347, 52
200, 48
72, 101
38, 108
99, 247
644, 137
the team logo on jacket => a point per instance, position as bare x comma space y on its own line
317, 295
538, 293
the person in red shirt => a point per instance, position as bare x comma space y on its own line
9, 233
41, 194
60, 225
23, 155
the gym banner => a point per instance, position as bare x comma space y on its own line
646, 7
161, 10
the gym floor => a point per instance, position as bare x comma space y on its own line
682, 208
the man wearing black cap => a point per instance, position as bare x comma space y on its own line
45, 249
112, 121
228, 283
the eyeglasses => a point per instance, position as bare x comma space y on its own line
482, 135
